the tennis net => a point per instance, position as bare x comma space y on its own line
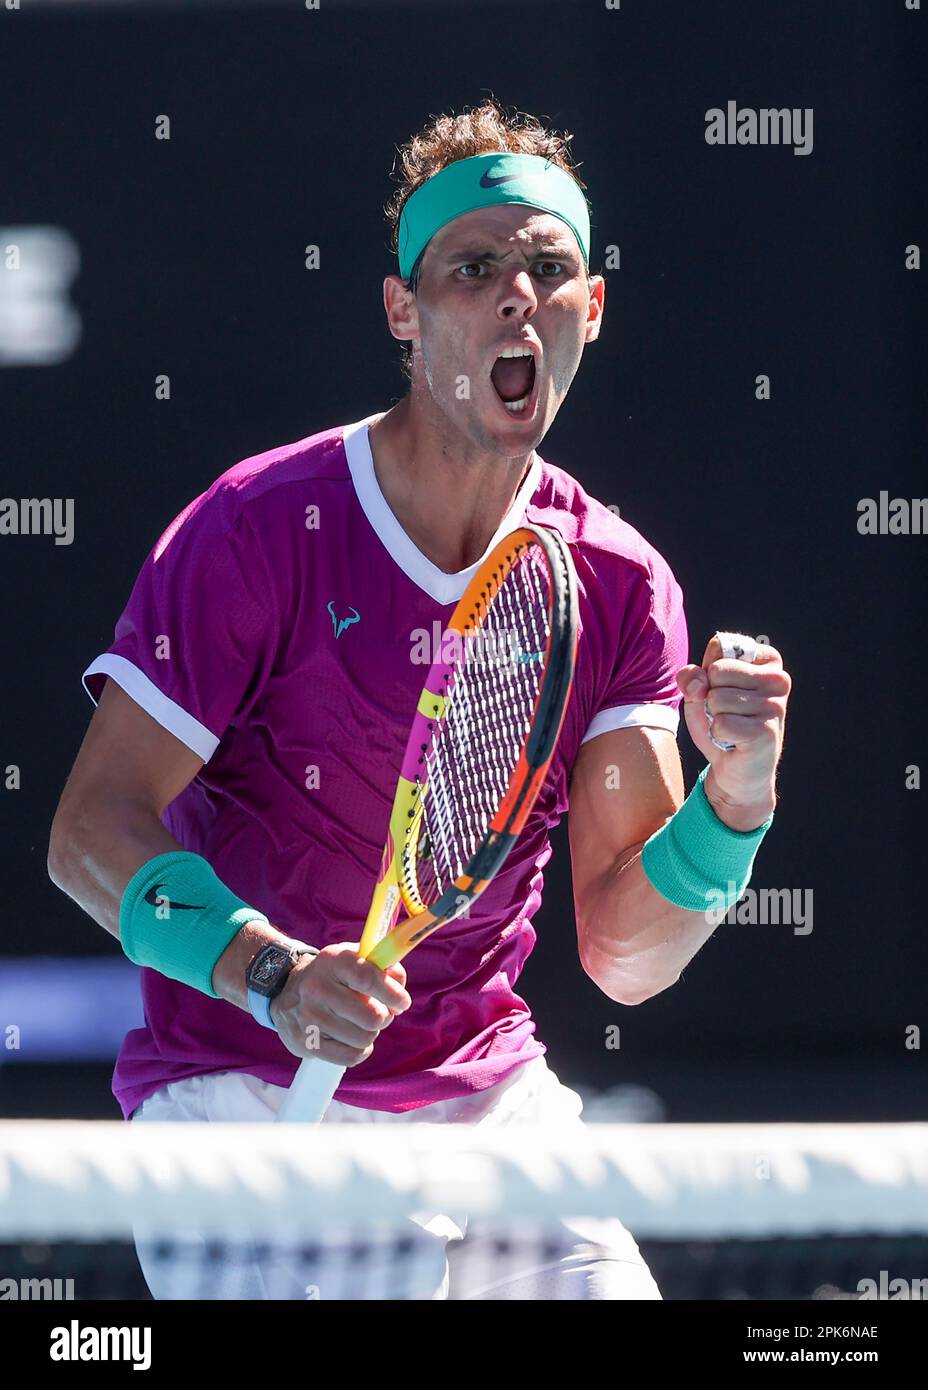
339, 1212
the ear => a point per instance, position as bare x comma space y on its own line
401, 309
597, 305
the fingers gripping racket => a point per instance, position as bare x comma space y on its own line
480, 746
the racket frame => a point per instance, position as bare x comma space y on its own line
383, 941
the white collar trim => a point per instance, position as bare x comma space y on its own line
444, 588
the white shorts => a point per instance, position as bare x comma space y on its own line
442, 1256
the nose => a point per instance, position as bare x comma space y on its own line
518, 296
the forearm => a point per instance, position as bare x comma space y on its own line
92, 856
94, 852
634, 943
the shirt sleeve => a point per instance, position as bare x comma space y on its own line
197, 639
651, 646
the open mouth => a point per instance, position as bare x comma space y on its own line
513, 378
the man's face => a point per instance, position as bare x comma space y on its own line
494, 279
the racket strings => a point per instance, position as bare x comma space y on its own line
491, 698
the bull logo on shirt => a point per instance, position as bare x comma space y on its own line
339, 624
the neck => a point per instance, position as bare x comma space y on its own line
448, 495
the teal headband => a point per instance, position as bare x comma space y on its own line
485, 181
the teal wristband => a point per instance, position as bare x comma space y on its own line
698, 862
177, 917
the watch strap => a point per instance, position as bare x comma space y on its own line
260, 1004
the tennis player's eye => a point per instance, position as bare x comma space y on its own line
558, 267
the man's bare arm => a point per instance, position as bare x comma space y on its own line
108, 825
633, 943
108, 822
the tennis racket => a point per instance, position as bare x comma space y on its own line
479, 748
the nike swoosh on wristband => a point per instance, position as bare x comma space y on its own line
487, 182
157, 899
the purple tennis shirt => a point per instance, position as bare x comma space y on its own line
271, 630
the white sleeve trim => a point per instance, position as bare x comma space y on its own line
146, 694
633, 717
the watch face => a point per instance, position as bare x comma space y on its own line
266, 968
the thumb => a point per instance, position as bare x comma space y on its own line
692, 681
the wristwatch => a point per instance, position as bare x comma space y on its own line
268, 973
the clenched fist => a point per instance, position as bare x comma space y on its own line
747, 702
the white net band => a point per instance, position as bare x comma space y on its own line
74, 1180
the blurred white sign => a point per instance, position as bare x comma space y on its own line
39, 326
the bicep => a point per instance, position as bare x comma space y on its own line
624, 785
126, 755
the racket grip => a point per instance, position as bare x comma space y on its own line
310, 1092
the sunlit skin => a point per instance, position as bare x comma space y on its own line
450, 464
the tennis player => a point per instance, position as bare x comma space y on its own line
226, 813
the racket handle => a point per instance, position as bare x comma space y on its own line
310, 1092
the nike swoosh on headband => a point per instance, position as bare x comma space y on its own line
157, 899
487, 182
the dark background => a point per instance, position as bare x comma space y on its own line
735, 261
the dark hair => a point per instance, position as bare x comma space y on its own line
447, 138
